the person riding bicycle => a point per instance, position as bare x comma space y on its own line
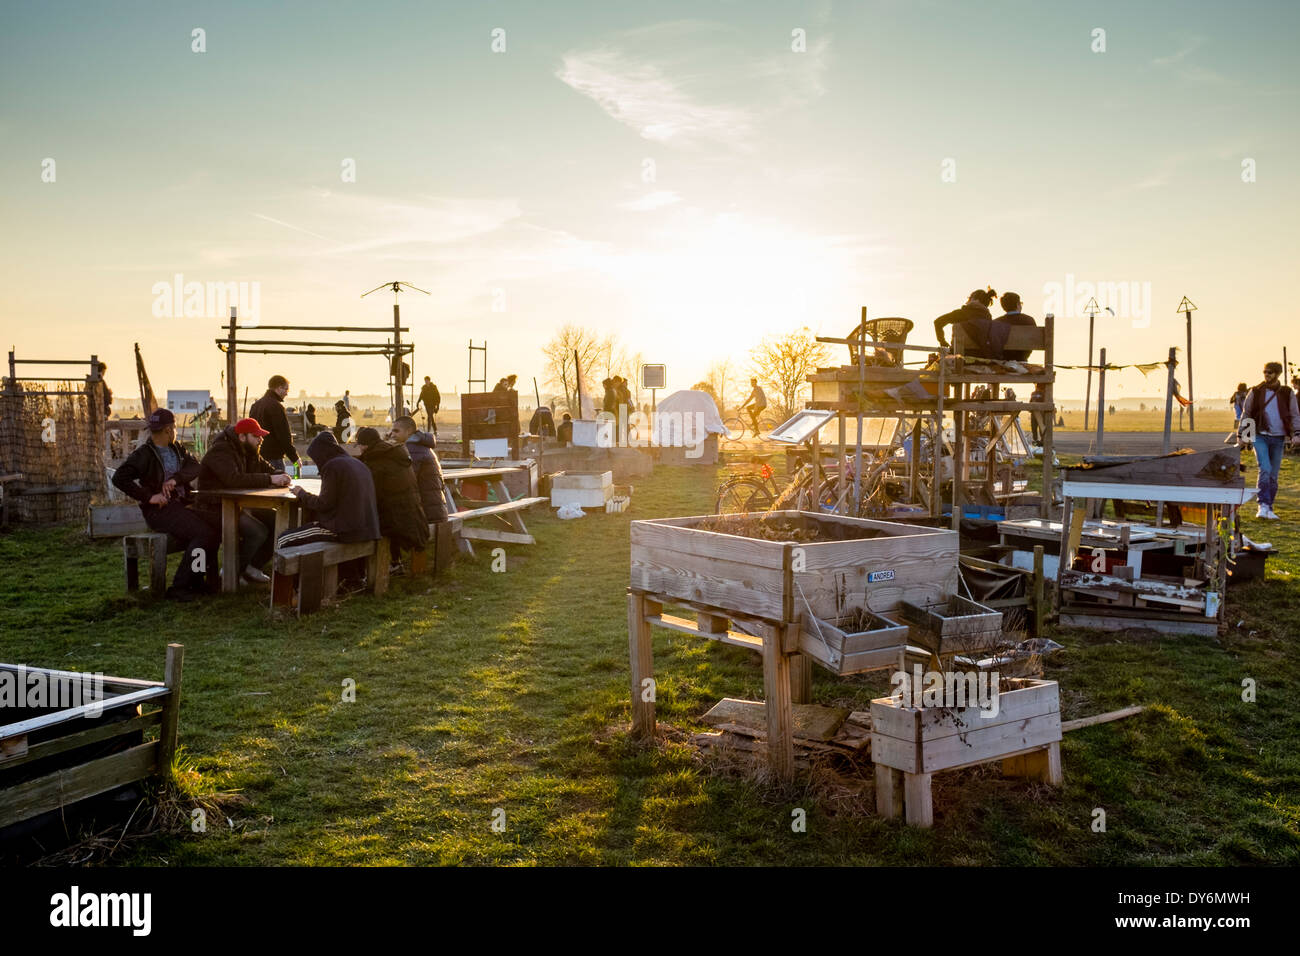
756, 403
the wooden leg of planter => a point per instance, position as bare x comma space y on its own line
1042, 765
780, 712
917, 800
641, 654
1040, 591
889, 791
168, 728
801, 666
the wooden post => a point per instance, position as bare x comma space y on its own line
844, 475
1049, 418
779, 708
1101, 402
230, 570
862, 385
1040, 589
1087, 392
801, 673
1169, 419
168, 729
917, 799
889, 791
1191, 396
641, 653
958, 460
232, 393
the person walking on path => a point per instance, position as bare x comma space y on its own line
269, 413
431, 401
1238, 402
1272, 414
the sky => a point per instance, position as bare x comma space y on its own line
689, 177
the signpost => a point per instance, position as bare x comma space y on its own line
654, 377
1187, 308
1091, 309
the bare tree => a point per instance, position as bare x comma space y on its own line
720, 378
786, 361
591, 349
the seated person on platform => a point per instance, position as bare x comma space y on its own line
157, 475
983, 339
542, 424
345, 509
1010, 302
565, 432
428, 470
401, 518
233, 461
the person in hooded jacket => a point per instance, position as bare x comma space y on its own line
401, 517
233, 461
345, 510
428, 470
984, 338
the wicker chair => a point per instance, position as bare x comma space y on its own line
889, 329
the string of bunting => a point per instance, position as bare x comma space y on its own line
1146, 368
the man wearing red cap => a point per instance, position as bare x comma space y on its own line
233, 461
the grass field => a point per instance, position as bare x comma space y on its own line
1212, 420
508, 691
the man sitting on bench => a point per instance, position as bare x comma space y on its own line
401, 518
1010, 302
233, 461
157, 475
428, 470
345, 509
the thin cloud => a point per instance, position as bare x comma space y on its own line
651, 201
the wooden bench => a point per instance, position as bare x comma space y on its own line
312, 571
507, 510
153, 548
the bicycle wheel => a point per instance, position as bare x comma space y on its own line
766, 426
735, 428
741, 496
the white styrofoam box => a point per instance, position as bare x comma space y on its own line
586, 489
490, 447
593, 432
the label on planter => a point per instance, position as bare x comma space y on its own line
875, 576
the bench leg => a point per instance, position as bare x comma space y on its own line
282, 586
311, 582
419, 562
377, 567
158, 566
917, 801
132, 565
331, 589
889, 791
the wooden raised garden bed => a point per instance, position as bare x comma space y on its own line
52, 757
909, 744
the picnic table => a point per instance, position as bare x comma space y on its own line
507, 508
280, 500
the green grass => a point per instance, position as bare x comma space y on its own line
483, 691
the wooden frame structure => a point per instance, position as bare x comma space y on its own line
393, 349
859, 390
29, 741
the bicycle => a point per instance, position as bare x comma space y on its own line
738, 425
759, 491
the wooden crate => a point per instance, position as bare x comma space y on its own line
857, 562
954, 625
586, 489
54, 758
852, 652
909, 744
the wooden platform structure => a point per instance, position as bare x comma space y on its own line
916, 396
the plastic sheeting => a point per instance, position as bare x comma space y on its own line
685, 419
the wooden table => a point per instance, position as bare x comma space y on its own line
507, 508
280, 500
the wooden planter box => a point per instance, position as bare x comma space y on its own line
954, 625
51, 758
855, 562
854, 651
586, 489
908, 744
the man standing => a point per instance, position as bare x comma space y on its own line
158, 475
756, 403
269, 413
233, 462
431, 401
1272, 412
345, 508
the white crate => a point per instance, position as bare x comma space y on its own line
586, 489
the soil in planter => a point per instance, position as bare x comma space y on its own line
780, 528
855, 621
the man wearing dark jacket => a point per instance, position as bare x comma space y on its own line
401, 517
269, 412
431, 401
233, 461
158, 475
345, 508
1274, 414
428, 470
1011, 316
